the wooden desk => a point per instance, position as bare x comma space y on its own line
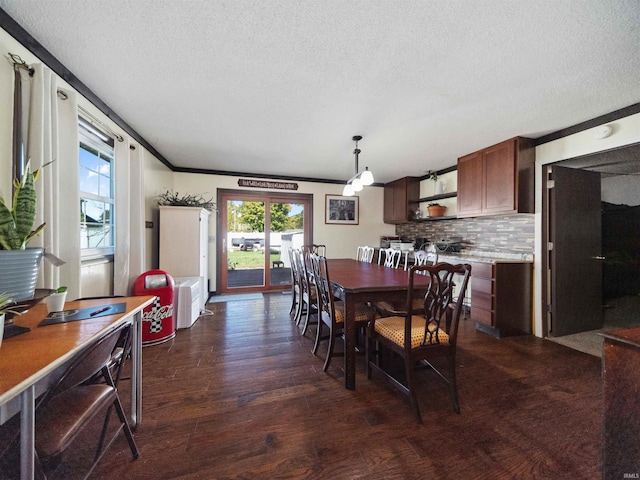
356, 282
30, 359
621, 373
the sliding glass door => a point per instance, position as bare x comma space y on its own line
256, 230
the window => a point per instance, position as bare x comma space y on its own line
96, 191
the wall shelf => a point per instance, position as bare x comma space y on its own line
433, 198
434, 219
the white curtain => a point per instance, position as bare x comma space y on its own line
129, 186
53, 137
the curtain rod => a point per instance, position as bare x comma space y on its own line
19, 63
93, 120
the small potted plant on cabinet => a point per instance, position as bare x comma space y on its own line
436, 210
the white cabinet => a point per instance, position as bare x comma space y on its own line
184, 235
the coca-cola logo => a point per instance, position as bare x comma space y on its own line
158, 313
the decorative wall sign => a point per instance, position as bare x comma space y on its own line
246, 182
341, 210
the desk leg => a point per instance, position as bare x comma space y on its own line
27, 433
136, 372
350, 343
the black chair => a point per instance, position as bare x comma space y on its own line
315, 249
71, 403
421, 338
295, 285
331, 313
308, 299
121, 351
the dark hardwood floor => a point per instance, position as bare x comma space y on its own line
240, 396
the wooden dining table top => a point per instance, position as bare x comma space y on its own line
354, 276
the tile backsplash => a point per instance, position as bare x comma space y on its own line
503, 233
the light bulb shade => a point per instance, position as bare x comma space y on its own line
347, 191
357, 184
367, 177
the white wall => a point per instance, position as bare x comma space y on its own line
625, 131
96, 276
341, 240
157, 179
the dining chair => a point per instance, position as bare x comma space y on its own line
308, 298
388, 308
421, 338
315, 248
295, 285
365, 253
392, 257
421, 257
331, 313
73, 401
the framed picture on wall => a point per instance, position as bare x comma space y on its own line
341, 210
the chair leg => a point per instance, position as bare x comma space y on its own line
318, 334
127, 429
408, 365
369, 348
332, 342
306, 319
299, 308
293, 300
453, 388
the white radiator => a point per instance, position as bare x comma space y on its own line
187, 300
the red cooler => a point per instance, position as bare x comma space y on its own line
158, 323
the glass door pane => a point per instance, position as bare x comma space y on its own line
256, 229
246, 244
286, 230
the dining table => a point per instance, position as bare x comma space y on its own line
32, 361
355, 282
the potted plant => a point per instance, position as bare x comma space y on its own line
438, 186
55, 301
19, 265
436, 210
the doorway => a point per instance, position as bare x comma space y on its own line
255, 231
618, 180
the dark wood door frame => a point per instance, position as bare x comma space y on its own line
571, 227
256, 196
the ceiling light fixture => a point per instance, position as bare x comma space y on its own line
359, 180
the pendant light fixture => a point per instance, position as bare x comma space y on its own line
359, 180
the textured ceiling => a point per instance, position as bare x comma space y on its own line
280, 87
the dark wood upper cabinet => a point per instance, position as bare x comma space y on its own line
397, 195
498, 179
470, 184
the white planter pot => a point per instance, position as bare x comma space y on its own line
55, 302
19, 272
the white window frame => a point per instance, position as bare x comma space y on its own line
103, 143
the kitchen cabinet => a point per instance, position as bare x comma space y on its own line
498, 179
397, 195
501, 295
184, 246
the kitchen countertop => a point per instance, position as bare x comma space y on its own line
487, 257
